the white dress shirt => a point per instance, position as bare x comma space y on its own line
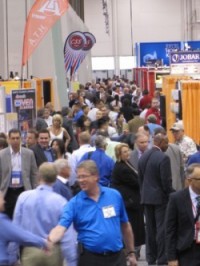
75, 158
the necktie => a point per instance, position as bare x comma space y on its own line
198, 207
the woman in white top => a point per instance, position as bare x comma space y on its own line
57, 131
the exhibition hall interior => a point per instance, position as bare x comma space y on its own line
100, 94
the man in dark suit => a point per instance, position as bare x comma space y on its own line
18, 170
183, 211
141, 142
42, 151
156, 185
61, 186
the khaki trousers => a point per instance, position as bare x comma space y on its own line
32, 256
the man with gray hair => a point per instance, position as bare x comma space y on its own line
61, 186
101, 221
38, 211
104, 163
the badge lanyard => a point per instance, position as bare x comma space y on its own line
197, 225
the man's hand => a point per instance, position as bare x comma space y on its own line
173, 263
49, 247
132, 259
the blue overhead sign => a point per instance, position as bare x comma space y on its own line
185, 57
156, 51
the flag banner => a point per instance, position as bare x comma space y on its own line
42, 16
73, 48
77, 45
90, 41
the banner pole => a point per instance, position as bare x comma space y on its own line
21, 78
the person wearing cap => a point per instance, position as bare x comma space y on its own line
185, 143
182, 240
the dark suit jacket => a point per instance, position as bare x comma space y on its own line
155, 177
62, 189
179, 223
125, 180
40, 156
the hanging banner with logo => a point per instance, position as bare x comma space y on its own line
24, 104
41, 18
185, 62
77, 45
73, 48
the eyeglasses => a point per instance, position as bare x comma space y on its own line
83, 176
196, 179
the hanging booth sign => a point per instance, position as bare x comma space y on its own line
155, 51
185, 62
24, 104
76, 47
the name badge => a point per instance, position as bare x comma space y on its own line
108, 212
15, 181
16, 178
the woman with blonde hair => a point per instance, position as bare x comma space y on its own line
125, 180
57, 131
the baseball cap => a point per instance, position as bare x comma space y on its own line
177, 126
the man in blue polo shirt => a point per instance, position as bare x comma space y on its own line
99, 216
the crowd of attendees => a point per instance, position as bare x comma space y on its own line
119, 127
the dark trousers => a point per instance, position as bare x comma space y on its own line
155, 234
11, 199
91, 259
190, 256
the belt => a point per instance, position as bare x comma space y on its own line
16, 189
104, 254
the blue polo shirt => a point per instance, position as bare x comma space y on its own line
104, 164
96, 232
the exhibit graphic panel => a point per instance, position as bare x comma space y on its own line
24, 104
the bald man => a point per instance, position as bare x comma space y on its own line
156, 185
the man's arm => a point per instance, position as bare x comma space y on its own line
129, 242
34, 171
171, 224
166, 175
57, 233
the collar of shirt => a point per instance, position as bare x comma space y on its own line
85, 146
101, 190
45, 149
139, 152
62, 179
3, 216
193, 196
44, 187
154, 146
12, 151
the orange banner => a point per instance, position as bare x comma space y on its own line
42, 16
